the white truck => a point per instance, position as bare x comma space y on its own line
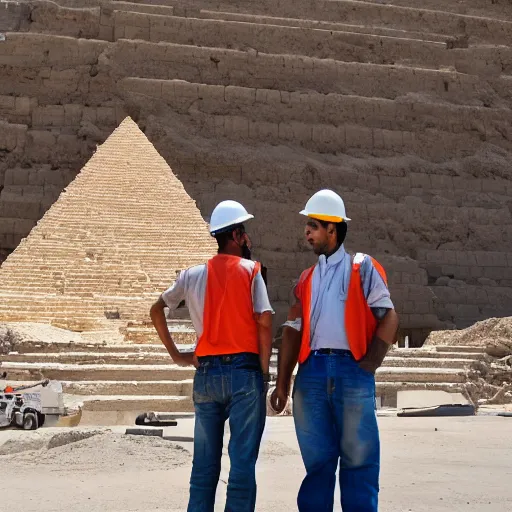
22, 410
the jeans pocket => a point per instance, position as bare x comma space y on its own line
200, 394
246, 382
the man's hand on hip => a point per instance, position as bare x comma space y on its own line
186, 359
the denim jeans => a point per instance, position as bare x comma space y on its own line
335, 421
227, 387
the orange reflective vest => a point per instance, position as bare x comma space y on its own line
229, 326
360, 324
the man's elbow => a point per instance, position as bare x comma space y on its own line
392, 318
157, 308
388, 327
264, 319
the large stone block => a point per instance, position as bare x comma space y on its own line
241, 95
17, 176
51, 115
73, 114
7, 103
23, 226
8, 137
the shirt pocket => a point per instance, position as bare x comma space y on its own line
342, 294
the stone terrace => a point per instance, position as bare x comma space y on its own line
404, 111
115, 382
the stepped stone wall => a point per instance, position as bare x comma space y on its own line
405, 111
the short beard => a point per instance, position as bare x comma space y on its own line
246, 252
320, 250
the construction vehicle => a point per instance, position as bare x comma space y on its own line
22, 410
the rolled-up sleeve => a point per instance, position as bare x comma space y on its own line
260, 300
375, 289
176, 293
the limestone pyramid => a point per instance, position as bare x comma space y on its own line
115, 238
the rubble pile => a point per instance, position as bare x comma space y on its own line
489, 380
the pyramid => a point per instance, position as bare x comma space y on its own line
114, 240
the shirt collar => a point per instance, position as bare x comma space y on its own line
334, 259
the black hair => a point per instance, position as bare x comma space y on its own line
225, 235
341, 230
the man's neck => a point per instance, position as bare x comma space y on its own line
231, 251
332, 251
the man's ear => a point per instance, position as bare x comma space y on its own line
236, 235
331, 229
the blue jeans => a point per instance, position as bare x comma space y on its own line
227, 387
335, 421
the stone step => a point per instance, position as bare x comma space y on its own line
76, 372
415, 19
217, 66
163, 388
387, 391
432, 353
313, 107
485, 8
108, 408
325, 44
97, 358
87, 388
427, 362
163, 358
322, 25
27, 347
407, 374
314, 120
140, 403
110, 372
459, 348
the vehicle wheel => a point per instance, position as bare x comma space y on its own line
30, 421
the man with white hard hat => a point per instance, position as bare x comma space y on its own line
339, 330
231, 313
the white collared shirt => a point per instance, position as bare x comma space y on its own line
331, 278
191, 287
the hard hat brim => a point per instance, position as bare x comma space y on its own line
326, 218
239, 220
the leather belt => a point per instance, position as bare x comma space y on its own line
332, 351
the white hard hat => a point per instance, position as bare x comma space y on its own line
326, 205
226, 214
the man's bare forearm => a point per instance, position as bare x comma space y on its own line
264, 322
159, 321
388, 327
288, 356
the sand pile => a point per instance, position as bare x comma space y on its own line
101, 451
489, 380
494, 335
45, 333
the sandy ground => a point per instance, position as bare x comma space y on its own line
434, 464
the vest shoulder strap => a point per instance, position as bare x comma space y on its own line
255, 270
358, 261
304, 277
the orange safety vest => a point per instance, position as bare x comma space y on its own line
360, 324
229, 326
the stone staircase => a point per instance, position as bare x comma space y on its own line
115, 382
